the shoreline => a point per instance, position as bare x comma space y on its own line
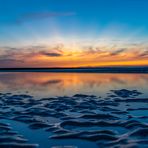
81, 70
74, 121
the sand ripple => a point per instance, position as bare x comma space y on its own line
118, 121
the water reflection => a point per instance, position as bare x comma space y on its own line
59, 84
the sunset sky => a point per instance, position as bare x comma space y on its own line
73, 33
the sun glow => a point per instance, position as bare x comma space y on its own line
107, 48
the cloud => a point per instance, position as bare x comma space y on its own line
4, 61
51, 54
63, 54
103, 51
113, 53
91, 50
12, 54
44, 15
9, 62
144, 54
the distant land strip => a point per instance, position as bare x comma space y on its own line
81, 70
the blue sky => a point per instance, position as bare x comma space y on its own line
30, 21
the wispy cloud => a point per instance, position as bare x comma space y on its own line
12, 54
144, 54
44, 15
62, 54
51, 54
117, 52
9, 61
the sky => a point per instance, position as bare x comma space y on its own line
73, 33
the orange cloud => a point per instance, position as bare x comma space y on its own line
61, 55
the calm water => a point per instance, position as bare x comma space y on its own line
60, 84
83, 121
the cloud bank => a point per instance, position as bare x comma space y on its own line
61, 55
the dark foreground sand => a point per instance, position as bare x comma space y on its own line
120, 120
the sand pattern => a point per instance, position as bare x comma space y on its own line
119, 120
12, 139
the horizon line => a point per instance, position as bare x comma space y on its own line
127, 69
91, 67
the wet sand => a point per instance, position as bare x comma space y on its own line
118, 120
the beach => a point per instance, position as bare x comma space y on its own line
55, 116
73, 74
